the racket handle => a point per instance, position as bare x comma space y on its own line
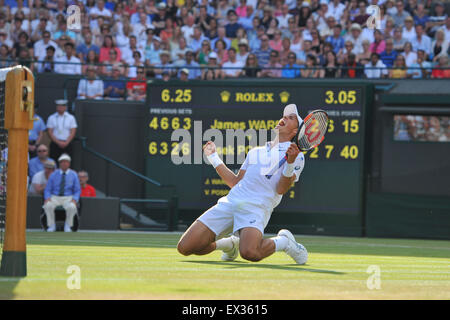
282, 161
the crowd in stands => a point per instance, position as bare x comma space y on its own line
130, 41
61, 128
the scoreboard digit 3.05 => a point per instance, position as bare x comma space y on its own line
332, 179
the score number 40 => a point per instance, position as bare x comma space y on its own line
347, 152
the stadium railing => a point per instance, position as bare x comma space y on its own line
175, 68
171, 202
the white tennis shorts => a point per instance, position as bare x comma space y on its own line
229, 217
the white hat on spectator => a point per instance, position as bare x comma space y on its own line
324, 2
61, 102
156, 38
164, 52
305, 4
64, 156
161, 5
185, 70
212, 55
243, 42
355, 26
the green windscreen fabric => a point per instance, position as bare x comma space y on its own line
399, 215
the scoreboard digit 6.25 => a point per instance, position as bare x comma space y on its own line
183, 116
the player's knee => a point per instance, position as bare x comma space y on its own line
184, 249
250, 254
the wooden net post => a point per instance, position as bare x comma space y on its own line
19, 114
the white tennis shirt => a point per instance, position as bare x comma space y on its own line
256, 188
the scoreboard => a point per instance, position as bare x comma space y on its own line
183, 116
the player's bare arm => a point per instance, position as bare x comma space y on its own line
285, 182
230, 178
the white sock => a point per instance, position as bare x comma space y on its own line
280, 243
224, 244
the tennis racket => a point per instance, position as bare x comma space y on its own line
310, 134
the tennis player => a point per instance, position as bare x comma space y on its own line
247, 208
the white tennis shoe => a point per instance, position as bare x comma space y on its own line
294, 249
52, 228
230, 255
67, 228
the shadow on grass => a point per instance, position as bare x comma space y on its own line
243, 264
7, 286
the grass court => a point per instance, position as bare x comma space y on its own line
143, 265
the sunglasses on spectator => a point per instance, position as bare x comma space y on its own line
42, 150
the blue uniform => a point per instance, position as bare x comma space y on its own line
71, 185
38, 126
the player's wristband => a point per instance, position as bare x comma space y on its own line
288, 170
215, 160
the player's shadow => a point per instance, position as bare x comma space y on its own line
289, 267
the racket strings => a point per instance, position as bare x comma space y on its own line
316, 126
